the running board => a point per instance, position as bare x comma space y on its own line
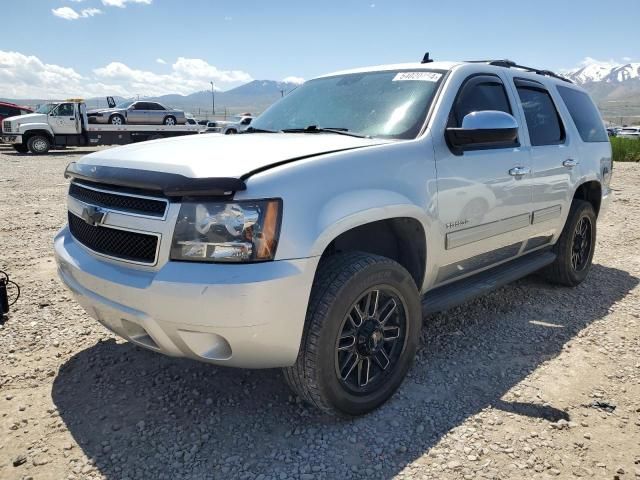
447, 296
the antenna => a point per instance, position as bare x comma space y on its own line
426, 58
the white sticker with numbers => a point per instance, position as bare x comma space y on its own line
417, 76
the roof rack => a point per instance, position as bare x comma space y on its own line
511, 64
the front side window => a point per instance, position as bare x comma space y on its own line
585, 115
477, 94
543, 120
63, 110
390, 104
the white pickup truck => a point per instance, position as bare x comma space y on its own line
66, 124
317, 239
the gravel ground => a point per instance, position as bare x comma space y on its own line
506, 386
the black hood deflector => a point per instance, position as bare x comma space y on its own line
169, 184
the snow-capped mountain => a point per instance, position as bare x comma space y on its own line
613, 86
604, 72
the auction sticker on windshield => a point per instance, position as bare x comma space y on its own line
419, 76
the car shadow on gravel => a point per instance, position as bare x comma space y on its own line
137, 414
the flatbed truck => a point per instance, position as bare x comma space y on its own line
65, 124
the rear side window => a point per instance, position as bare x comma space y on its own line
585, 115
543, 120
477, 94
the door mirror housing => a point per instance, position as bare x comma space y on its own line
485, 129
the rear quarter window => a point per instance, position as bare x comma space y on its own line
584, 114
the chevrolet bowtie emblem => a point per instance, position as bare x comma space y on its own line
93, 215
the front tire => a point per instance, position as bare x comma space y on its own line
117, 120
360, 336
39, 144
575, 247
231, 131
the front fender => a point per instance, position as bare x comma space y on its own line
352, 209
25, 128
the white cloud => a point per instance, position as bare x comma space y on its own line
123, 3
161, 61
187, 75
23, 76
627, 59
69, 13
292, 79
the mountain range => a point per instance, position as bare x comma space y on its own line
614, 87
253, 97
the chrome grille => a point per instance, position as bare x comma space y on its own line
6, 127
123, 202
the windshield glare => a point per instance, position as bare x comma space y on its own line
46, 108
124, 105
390, 104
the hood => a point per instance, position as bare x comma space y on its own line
28, 118
228, 156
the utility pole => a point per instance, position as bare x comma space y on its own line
213, 100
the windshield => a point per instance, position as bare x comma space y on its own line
45, 108
390, 104
124, 104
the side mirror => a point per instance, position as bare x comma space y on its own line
485, 129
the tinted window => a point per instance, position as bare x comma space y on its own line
5, 111
585, 115
141, 106
64, 110
542, 117
155, 106
478, 94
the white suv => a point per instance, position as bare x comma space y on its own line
317, 239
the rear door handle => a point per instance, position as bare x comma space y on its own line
519, 172
569, 163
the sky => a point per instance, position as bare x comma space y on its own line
56, 48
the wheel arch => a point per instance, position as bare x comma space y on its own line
590, 191
40, 131
396, 231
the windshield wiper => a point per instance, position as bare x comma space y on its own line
257, 130
316, 129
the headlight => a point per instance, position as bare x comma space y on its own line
244, 231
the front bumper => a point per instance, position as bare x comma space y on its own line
11, 138
248, 315
98, 119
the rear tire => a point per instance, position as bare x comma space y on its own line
21, 148
360, 335
117, 120
170, 121
231, 131
39, 144
575, 247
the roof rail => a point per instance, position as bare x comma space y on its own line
511, 64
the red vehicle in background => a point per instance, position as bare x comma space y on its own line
12, 110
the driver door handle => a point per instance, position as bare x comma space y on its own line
519, 172
569, 163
